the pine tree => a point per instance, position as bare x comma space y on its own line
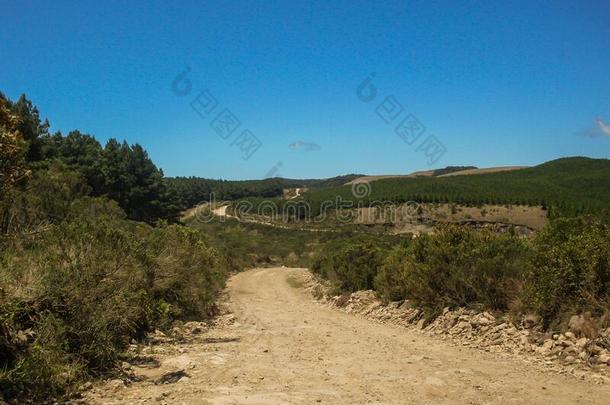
31, 127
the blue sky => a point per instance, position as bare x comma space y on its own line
496, 83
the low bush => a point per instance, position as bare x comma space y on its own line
564, 270
73, 297
246, 245
455, 267
351, 265
390, 279
571, 269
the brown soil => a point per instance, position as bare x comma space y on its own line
405, 219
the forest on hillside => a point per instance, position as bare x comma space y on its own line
565, 187
187, 192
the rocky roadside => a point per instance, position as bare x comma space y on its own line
143, 365
146, 365
163, 359
568, 353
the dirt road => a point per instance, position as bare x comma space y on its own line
282, 347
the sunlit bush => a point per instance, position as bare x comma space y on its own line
571, 269
74, 297
455, 267
350, 265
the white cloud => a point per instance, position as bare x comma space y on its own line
600, 129
305, 146
604, 127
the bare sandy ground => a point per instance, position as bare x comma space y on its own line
484, 171
429, 173
221, 211
284, 348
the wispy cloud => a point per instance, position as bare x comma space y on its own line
304, 146
600, 129
604, 127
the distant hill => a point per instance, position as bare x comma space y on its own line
447, 171
567, 186
190, 191
474, 170
323, 183
452, 169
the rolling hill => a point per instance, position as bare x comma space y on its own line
566, 186
446, 171
190, 191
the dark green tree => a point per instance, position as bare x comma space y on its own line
133, 180
30, 126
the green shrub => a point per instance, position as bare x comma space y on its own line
246, 245
349, 265
571, 269
455, 267
46, 198
72, 298
184, 273
392, 275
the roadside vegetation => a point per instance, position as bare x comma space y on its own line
248, 245
562, 271
82, 270
352, 265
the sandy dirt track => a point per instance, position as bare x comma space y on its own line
284, 348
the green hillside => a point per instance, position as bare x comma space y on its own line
190, 191
566, 186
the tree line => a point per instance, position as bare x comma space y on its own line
190, 191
